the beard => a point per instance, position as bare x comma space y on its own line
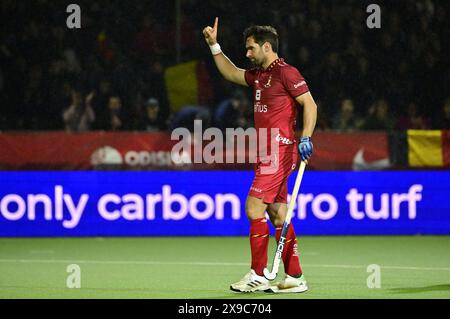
256, 62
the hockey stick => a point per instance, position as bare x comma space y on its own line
270, 275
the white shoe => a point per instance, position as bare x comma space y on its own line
290, 284
251, 282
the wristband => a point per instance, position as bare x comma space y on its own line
215, 49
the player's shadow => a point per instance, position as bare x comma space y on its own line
414, 290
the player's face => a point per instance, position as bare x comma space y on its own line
254, 51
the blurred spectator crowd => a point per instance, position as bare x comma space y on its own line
109, 75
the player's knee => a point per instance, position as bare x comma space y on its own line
277, 221
277, 214
254, 211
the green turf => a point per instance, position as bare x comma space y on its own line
201, 267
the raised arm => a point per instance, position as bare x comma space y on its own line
227, 68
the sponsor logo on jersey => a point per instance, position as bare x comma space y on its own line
260, 108
283, 139
299, 84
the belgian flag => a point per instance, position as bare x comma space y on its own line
428, 148
188, 84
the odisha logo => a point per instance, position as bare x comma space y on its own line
106, 155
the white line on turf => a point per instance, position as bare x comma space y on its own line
43, 252
188, 263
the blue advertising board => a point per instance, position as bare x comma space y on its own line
212, 203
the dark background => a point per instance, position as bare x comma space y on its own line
124, 47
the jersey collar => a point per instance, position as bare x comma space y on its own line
273, 64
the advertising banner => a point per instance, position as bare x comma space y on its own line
153, 151
212, 203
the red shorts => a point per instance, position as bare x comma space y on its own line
270, 182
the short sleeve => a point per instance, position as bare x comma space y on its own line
250, 76
294, 82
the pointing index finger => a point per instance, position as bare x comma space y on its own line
216, 23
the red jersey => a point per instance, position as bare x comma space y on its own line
274, 93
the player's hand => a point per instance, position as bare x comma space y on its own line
211, 33
305, 148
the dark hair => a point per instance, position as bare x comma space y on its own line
262, 34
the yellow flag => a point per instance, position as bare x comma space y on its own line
182, 85
425, 148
